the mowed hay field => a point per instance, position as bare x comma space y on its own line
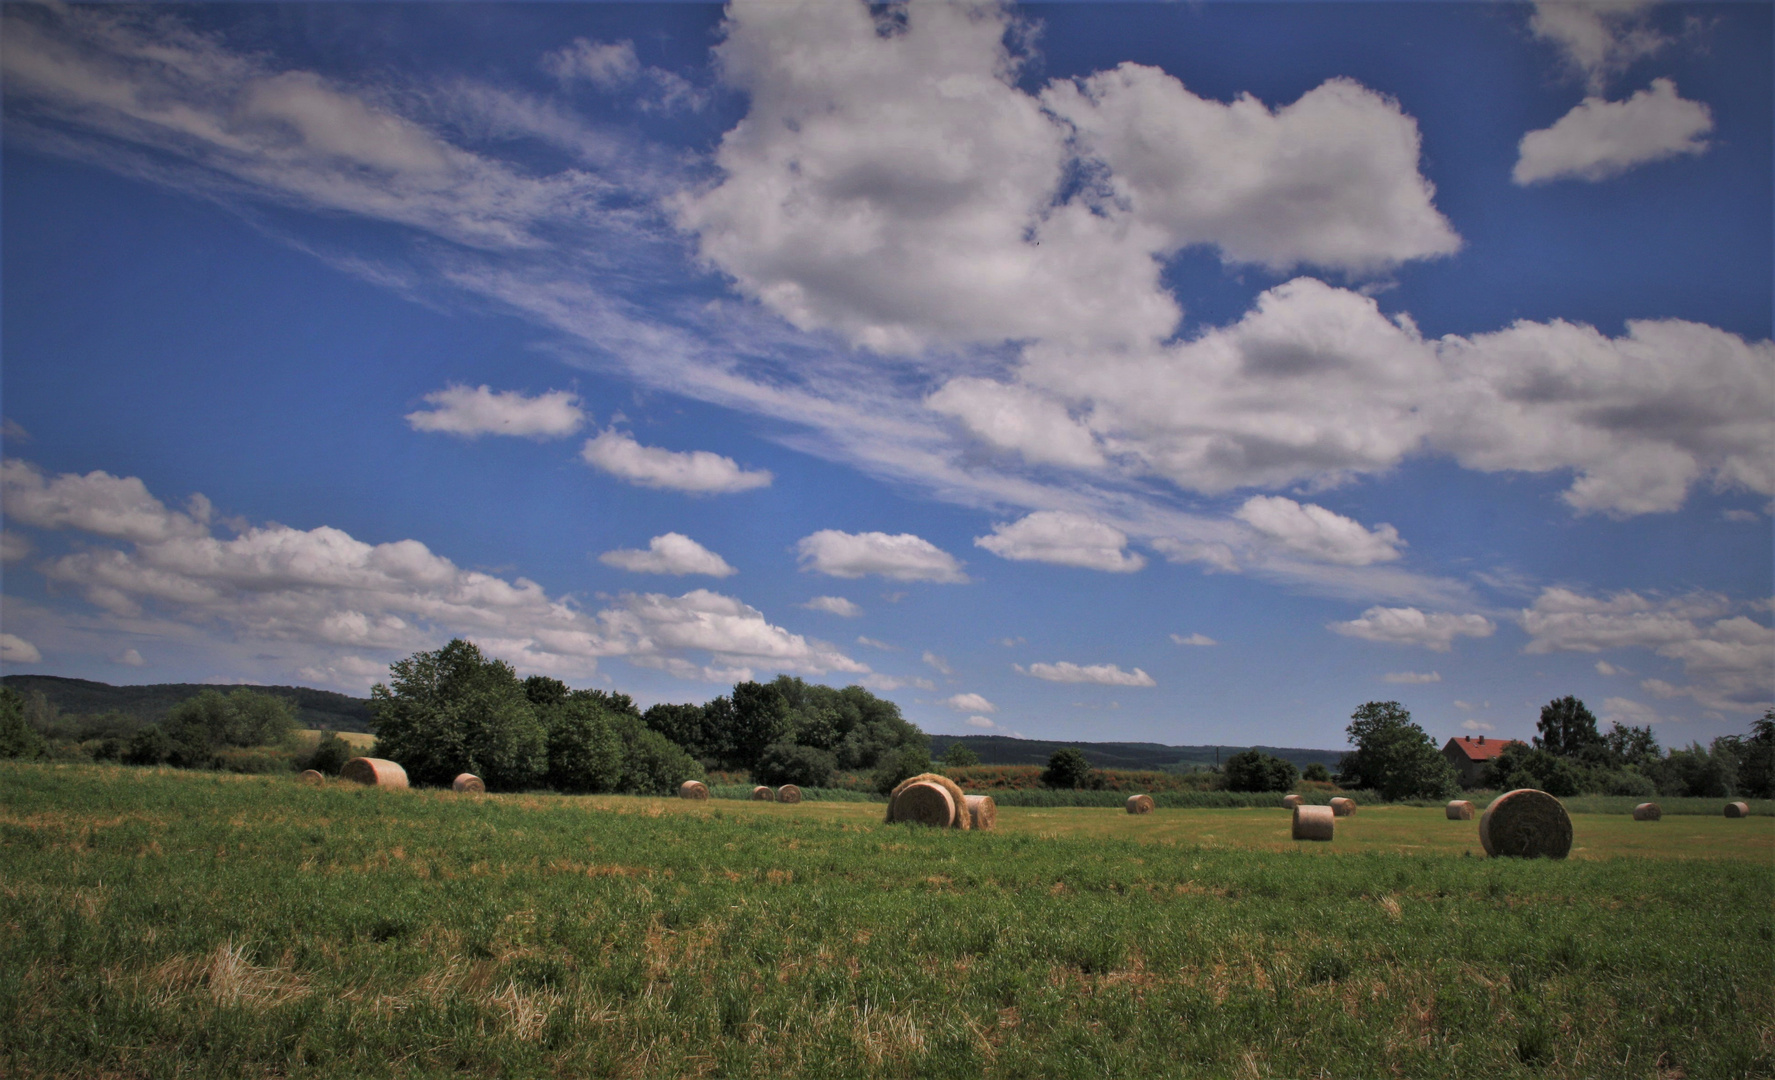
155, 923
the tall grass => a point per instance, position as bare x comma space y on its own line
808, 794
209, 925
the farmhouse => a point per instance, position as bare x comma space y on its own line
1469, 753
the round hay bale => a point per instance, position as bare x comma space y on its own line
312, 776
1526, 824
468, 784
1140, 804
374, 772
925, 803
1341, 807
763, 794
789, 793
956, 798
982, 811
1737, 809
1648, 811
1314, 823
1460, 810
693, 789
1289, 802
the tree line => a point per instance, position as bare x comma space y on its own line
456, 710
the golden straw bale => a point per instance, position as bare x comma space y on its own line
468, 784
1460, 810
1140, 804
1737, 809
789, 793
1289, 802
925, 803
982, 811
693, 789
1314, 823
1341, 807
1526, 824
956, 798
374, 772
312, 776
763, 794
1648, 811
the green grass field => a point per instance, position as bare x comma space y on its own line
160, 924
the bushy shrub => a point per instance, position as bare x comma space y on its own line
653, 764
1068, 768
1254, 770
901, 763
1628, 782
148, 746
328, 756
585, 751
1316, 772
789, 763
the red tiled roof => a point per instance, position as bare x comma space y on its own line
1480, 748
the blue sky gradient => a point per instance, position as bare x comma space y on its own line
1116, 394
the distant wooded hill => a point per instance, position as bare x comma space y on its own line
1003, 750
150, 704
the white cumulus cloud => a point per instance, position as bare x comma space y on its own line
1598, 38
1064, 538
1194, 639
1435, 631
835, 605
985, 722
900, 557
129, 658
698, 472
1066, 671
1330, 180
1319, 533
117, 507
16, 650
1729, 659
472, 412
673, 553
326, 594
1412, 678
970, 703
1598, 139
1011, 417
900, 188
937, 662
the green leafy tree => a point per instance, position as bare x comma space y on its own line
760, 717
1068, 768
1632, 745
585, 748
793, 763
685, 725
1756, 760
454, 710
1523, 766
900, 763
1394, 756
1568, 729
1316, 772
958, 755
17, 738
1254, 770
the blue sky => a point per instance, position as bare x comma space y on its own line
1184, 373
